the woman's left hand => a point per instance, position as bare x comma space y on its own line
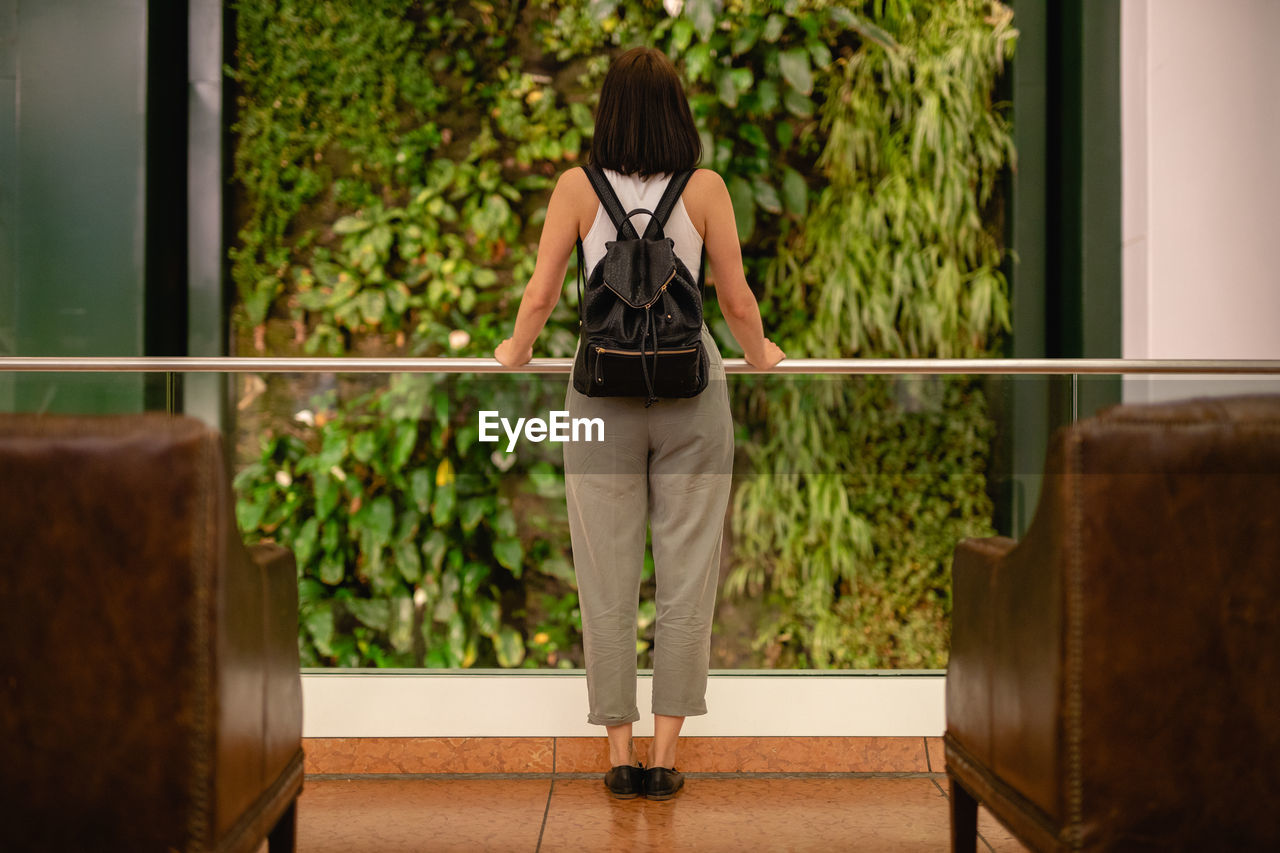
509, 356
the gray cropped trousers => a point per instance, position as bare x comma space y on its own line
670, 466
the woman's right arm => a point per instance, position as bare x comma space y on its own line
724, 252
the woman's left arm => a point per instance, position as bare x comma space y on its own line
559, 234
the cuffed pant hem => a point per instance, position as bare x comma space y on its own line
681, 712
613, 721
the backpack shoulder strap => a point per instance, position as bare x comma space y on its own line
612, 206
667, 203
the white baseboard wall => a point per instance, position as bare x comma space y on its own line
553, 703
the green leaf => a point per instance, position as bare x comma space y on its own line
420, 488
433, 550
364, 445
466, 437
351, 225
442, 506
249, 515
471, 511
773, 28
328, 492
561, 568
457, 639
821, 54
601, 9
697, 61
435, 657
647, 612
380, 239
744, 206
333, 449
703, 15
447, 603
332, 569
681, 35
797, 103
304, 541
409, 561
373, 304
795, 192
510, 554
785, 131
398, 298
310, 591
487, 616
400, 629
546, 481
473, 574
381, 519
375, 613
406, 438
503, 522
844, 17
510, 647
732, 83
331, 536
767, 96
727, 90
319, 624
794, 65
744, 38
766, 196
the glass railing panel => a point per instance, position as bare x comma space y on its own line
76, 392
418, 543
421, 546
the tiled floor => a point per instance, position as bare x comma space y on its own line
572, 811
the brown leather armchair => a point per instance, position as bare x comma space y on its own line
150, 697
1114, 680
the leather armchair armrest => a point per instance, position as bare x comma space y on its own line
259, 695
1004, 680
973, 583
283, 715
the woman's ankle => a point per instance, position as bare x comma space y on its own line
619, 756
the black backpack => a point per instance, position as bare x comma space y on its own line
641, 314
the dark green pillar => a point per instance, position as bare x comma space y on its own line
93, 196
8, 190
1064, 224
78, 176
1085, 267
208, 109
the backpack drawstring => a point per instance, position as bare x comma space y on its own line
650, 373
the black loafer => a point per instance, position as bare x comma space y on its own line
662, 783
625, 781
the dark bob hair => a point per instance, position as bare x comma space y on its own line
643, 123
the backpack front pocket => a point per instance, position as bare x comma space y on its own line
619, 372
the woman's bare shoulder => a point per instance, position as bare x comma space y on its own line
574, 180
702, 196
573, 187
705, 181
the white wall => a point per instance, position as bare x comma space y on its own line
553, 703
1201, 136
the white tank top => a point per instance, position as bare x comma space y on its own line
633, 192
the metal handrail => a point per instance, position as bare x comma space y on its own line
790, 366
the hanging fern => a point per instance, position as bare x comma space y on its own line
900, 256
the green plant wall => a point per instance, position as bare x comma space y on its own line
393, 162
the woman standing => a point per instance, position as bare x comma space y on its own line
671, 463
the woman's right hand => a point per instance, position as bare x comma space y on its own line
770, 358
509, 356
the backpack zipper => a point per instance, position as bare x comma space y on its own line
632, 352
656, 296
